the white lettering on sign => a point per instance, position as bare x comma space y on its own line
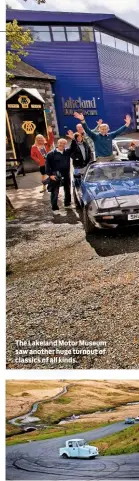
78, 103
85, 112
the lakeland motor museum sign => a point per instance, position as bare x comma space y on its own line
87, 107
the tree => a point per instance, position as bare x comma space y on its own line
17, 39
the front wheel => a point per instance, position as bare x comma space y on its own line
64, 456
88, 226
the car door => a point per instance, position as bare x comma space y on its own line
83, 452
73, 449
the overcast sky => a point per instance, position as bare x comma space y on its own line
126, 9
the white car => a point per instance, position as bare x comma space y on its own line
120, 148
137, 418
77, 448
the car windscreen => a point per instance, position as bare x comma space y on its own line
110, 172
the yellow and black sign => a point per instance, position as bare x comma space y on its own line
29, 127
24, 101
13, 106
36, 106
26, 118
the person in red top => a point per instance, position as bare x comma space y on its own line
39, 152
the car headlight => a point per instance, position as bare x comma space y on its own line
107, 203
93, 207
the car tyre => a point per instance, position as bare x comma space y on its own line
64, 456
88, 226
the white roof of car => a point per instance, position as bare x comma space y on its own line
125, 139
69, 440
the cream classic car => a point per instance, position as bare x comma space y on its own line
78, 448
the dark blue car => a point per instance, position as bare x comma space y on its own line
108, 193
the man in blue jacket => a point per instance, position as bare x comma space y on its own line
103, 139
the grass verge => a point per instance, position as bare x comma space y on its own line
124, 442
53, 432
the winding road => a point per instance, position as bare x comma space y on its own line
40, 460
18, 420
26, 418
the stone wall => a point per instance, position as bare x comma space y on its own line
45, 89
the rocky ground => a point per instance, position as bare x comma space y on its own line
64, 286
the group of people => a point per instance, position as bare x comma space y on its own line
55, 162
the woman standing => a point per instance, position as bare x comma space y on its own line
39, 152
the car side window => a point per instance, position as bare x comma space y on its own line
74, 444
70, 445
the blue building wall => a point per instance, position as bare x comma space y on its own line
89, 70
86, 70
119, 73
75, 65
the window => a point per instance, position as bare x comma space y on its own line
121, 44
124, 146
111, 172
98, 36
87, 34
81, 443
108, 40
136, 50
73, 34
58, 33
130, 48
40, 33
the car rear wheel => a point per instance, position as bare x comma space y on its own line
88, 226
65, 456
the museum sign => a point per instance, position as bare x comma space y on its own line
87, 107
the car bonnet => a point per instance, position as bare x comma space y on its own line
109, 189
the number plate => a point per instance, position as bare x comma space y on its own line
133, 216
